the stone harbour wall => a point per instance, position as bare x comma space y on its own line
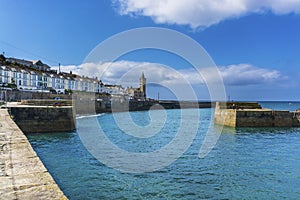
254, 117
225, 116
263, 118
22, 174
38, 119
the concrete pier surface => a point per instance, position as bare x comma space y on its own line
22, 173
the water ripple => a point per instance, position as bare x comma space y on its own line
245, 164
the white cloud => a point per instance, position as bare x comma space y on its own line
202, 13
127, 73
246, 74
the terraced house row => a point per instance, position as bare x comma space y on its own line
36, 76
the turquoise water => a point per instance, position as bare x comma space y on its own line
246, 163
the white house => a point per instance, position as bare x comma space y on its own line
37, 76
113, 89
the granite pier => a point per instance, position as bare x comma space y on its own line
22, 174
251, 114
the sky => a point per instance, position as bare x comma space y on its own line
255, 44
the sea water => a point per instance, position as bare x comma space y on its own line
246, 163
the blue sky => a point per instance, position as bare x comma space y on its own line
255, 44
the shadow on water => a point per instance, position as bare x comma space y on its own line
50, 137
259, 130
53, 143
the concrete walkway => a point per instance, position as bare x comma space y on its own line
22, 174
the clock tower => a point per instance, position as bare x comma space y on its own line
143, 84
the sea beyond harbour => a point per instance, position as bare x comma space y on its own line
246, 163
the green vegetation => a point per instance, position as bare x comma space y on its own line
68, 91
2, 58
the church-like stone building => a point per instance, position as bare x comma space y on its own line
138, 93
